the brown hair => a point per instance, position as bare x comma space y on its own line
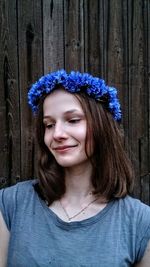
112, 175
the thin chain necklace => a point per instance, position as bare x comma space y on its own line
78, 213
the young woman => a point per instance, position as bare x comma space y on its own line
79, 211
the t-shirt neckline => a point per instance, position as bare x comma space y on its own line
76, 224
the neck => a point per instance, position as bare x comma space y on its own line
78, 182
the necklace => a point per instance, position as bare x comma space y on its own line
78, 213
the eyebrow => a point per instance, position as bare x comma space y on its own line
65, 113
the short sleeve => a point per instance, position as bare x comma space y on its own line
7, 204
11, 199
143, 231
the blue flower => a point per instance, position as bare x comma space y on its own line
73, 83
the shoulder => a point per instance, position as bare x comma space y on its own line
135, 207
9, 194
20, 187
136, 216
135, 212
12, 197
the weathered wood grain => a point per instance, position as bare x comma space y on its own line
73, 35
145, 189
30, 55
116, 51
148, 83
53, 35
93, 33
138, 90
9, 96
4, 166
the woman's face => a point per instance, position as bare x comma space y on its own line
65, 128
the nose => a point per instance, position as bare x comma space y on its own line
59, 131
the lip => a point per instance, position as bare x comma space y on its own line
63, 148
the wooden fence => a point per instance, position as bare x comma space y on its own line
108, 38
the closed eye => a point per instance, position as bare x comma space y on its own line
49, 126
73, 121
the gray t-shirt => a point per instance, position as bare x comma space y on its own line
116, 237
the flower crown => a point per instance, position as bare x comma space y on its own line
75, 82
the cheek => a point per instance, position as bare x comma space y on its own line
80, 133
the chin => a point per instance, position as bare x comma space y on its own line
70, 161
67, 164
72, 164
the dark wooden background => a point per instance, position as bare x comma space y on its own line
108, 38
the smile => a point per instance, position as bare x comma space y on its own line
64, 148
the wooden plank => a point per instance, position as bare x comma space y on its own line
102, 40
115, 53
148, 79
116, 61
30, 68
116, 45
9, 96
4, 166
93, 32
145, 189
53, 35
138, 90
144, 139
74, 35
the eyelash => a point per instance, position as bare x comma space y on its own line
72, 121
49, 126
